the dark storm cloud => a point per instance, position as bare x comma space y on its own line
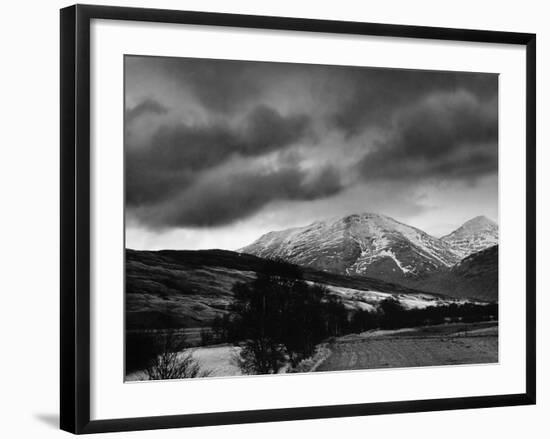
177, 153
219, 85
413, 125
222, 199
227, 86
446, 136
375, 94
148, 106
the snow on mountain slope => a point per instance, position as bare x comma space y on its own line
473, 236
361, 244
368, 300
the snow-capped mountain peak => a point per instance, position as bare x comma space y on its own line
362, 244
474, 235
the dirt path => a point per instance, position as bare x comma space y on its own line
444, 345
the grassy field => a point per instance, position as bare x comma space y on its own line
425, 346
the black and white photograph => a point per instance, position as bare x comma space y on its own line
296, 218
275, 219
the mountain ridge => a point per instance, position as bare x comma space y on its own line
376, 246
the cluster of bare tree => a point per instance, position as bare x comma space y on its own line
278, 319
173, 360
391, 315
162, 355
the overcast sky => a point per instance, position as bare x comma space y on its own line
220, 152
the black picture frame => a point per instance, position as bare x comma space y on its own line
75, 217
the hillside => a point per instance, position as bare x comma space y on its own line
189, 288
474, 276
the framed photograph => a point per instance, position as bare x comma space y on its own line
268, 218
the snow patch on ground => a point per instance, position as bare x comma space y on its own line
369, 300
218, 360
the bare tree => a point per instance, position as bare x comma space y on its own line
173, 362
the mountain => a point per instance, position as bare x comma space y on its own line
474, 235
174, 289
362, 259
366, 244
475, 276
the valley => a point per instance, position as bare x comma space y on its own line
382, 294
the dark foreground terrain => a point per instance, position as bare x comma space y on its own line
279, 315
439, 345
